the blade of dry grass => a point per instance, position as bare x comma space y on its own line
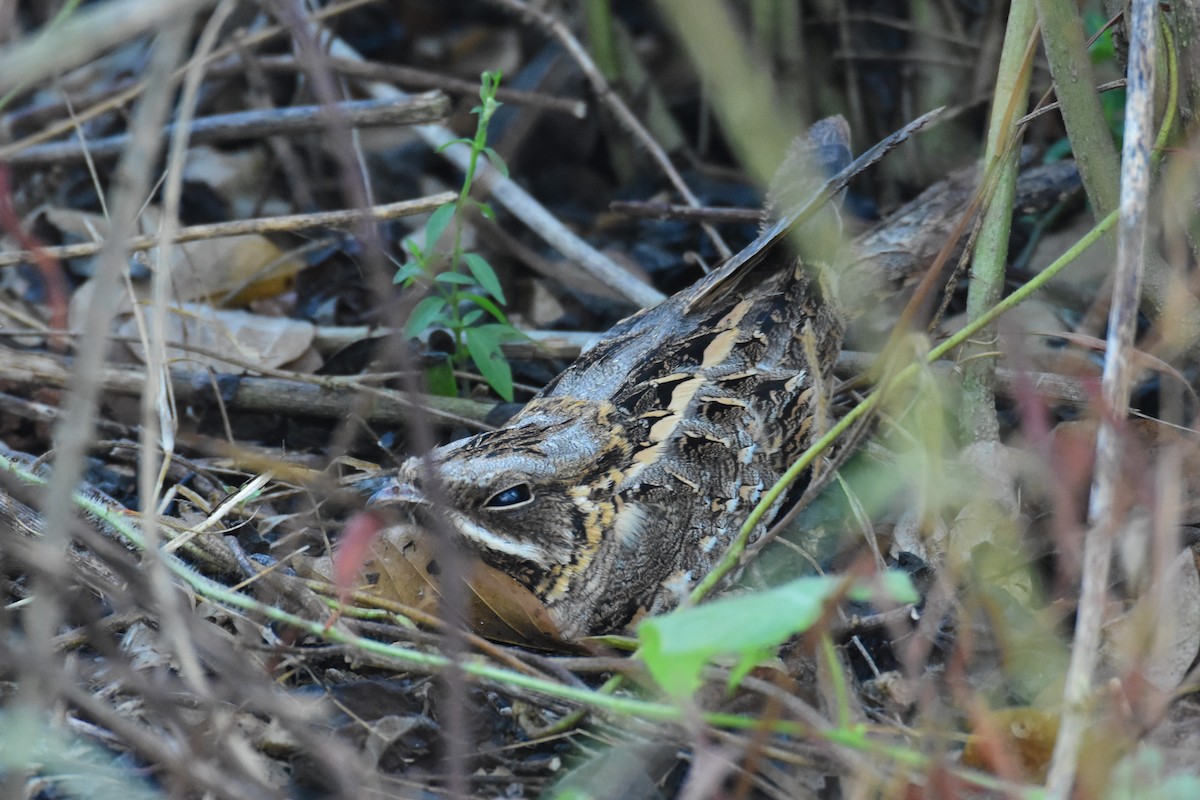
75, 431
86, 34
1118, 372
157, 434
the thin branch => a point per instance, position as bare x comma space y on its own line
637, 208
126, 96
262, 225
290, 393
254, 125
87, 33
424, 79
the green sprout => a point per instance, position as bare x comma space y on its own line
466, 303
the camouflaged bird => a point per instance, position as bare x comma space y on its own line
627, 477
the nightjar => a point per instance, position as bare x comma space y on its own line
627, 477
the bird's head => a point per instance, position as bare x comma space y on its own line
531, 499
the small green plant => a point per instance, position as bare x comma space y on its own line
749, 627
467, 305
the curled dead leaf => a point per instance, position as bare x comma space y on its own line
252, 339
1021, 739
1012, 737
403, 568
229, 270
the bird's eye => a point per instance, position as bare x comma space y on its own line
516, 495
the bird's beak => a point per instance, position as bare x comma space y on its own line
396, 492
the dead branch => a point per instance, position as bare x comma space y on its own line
424, 79
262, 225
316, 398
426, 107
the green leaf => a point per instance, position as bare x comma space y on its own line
484, 346
496, 160
439, 379
490, 307
455, 278
453, 142
471, 317
414, 250
408, 272
486, 210
676, 646
1145, 775
486, 276
489, 82
423, 314
437, 223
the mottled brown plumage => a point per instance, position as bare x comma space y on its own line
631, 472
627, 477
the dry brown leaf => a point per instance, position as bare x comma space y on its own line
231, 270
253, 339
504, 611
1024, 736
498, 608
399, 566
1159, 636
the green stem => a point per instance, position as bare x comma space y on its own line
978, 419
1075, 88
489, 83
601, 41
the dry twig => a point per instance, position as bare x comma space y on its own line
261, 225
284, 393
253, 125
423, 79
